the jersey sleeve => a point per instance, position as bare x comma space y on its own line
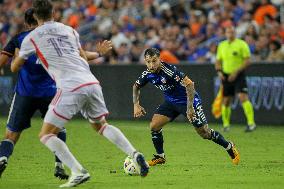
9, 49
178, 76
27, 48
245, 50
77, 36
142, 80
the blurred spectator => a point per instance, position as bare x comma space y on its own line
185, 31
275, 54
210, 56
265, 9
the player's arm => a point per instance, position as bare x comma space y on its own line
83, 54
101, 49
21, 55
138, 109
3, 60
17, 63
190, 91
218, 63
8, 52
141, 81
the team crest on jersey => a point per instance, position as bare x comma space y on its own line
177, 78
164, 80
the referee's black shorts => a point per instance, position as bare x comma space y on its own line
237, 86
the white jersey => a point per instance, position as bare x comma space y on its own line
57, 47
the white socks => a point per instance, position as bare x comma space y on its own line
114, 135
60, 149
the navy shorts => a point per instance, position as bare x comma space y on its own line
172, 110
22, 110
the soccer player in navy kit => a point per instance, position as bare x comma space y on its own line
180, 98
34, 91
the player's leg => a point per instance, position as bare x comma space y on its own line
57, 115
206, 133
242, 91
156, 125
95, 111
43, 104
163, 115
226, 112
114, 135
21, 111
200, 124
228, 94
7, 147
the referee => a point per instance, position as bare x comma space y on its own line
232, 59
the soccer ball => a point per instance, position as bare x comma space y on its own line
130, 167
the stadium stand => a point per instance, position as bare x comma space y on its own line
186, 31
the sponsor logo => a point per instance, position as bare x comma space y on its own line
177, 78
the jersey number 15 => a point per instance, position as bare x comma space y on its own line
61, 45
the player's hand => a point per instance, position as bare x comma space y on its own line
232, 76
190, 114
103, 47
1, 71
221, 76
138, 111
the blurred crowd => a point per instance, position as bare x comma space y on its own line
185, 31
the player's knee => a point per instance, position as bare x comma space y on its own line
204, 132
98, 124
205, 135
243, 97
154, 126
45, 137
226, 101
40, 135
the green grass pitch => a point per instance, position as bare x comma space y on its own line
191, 161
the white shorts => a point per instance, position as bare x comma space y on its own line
88, 99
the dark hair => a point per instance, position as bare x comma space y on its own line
42, 9
29, 17
152, 52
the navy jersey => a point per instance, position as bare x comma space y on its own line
33, 80
169, 80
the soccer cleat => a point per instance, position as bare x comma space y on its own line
226, 129
250, 128
3, 164
76, 179
142, 164
157, 160
59, 172
234, 154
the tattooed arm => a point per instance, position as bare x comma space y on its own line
190, 91
138, 110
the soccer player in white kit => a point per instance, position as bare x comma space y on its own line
60, 53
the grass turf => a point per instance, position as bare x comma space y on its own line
191, 161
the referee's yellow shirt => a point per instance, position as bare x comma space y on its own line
232, 54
